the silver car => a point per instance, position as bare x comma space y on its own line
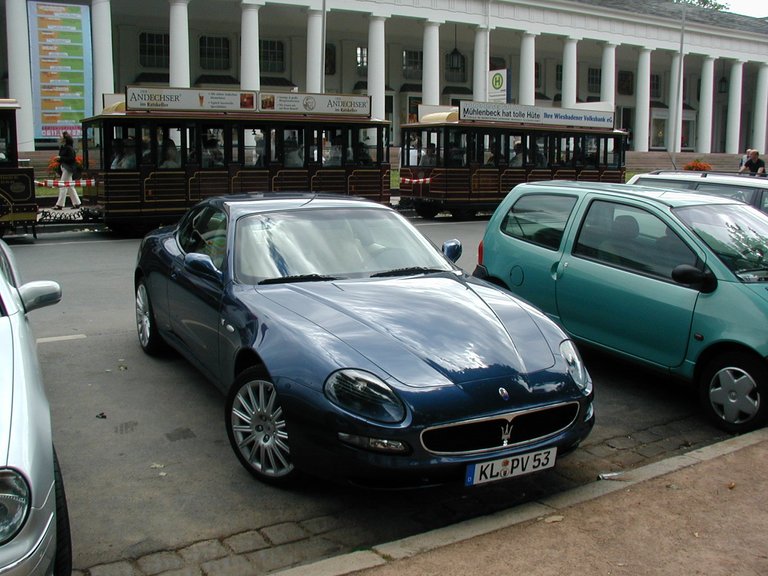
34, 523
752, 190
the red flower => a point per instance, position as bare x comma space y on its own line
54, 166
698, 166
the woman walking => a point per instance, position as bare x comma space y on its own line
68, 162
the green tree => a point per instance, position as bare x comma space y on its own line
711, 4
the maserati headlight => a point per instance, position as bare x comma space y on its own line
364, 394
14, 504
576, 367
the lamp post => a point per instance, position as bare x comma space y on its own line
487, 47
455, 58
322, 55
679, 96
722, 84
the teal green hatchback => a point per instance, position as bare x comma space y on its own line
673, 280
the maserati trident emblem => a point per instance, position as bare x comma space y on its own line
506, 433
503, 393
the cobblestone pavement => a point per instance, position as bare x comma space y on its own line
267, 549
182, 526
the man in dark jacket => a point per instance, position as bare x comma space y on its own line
755, 164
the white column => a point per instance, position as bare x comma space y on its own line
526, 92
734, 109
570, 72
675, 100
706, 101
642, 102
103, 69
377, 66
179, 38
480, 66
430, 81
760, 122
608, 74
20, 72
314, 51
250, 66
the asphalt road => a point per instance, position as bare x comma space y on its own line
145, 456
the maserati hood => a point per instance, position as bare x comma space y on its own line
463, 330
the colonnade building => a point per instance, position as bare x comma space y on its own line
665, 69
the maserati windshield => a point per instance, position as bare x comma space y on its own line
329, 243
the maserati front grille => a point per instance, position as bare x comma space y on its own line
493, 433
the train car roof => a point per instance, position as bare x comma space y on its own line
118, 111
9, 104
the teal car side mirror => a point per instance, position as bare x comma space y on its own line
704, 280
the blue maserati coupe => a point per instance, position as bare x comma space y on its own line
349, 347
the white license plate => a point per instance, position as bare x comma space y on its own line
509, 467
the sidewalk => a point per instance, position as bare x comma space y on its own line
705, 512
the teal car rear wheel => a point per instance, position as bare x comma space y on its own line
734, 392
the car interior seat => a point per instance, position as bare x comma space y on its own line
216, 241
621, 247
671, 251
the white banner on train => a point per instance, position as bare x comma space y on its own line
294, 102
188, 99
518, 114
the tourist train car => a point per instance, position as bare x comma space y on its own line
18, 206
161, 150
466, 159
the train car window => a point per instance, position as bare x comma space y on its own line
169, 147
213, 148
293, 148
334, 147
92, 147
255, 147
538, 151
234, 146
490, 151
6, 145
124, 145
456, 149
365, 147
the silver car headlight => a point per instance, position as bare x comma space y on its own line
364, 394
576, 367
14, 504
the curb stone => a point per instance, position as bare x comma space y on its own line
409, 547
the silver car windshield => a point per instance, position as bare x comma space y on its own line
330, 243
737, 233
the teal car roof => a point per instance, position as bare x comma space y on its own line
663, 196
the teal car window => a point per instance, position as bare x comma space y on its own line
595, 228
736, 233
632, 238
539, 218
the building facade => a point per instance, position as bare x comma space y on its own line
679, 79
